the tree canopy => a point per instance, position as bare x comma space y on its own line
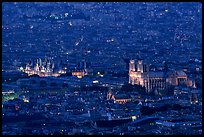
131, 88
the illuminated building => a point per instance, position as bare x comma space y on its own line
138, 73
121, 99
153, 80
81, 71
177, 78
42, 68
79, 74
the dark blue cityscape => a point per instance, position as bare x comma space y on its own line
101, 68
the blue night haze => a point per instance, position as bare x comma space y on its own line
101, 68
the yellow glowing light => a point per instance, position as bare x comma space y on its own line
79, 76
25, 100
43, 70
134, 117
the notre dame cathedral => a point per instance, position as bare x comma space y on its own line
140, 74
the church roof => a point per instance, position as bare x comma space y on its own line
156, 74
180, 73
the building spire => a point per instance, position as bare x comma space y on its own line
194, 85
